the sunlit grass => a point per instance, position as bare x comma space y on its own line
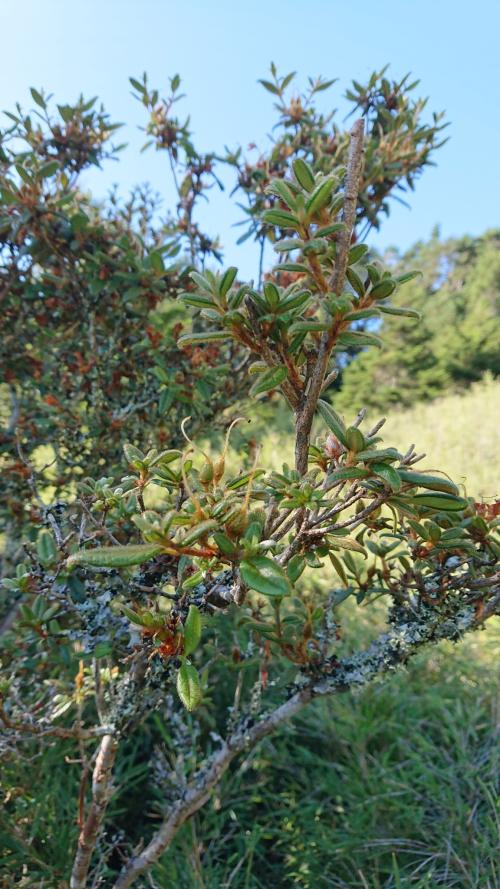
460, 435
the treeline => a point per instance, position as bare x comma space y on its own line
456, 341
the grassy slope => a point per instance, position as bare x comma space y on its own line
459, 433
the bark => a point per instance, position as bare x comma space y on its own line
305, 413
101, 791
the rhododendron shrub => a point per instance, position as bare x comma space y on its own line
150, 576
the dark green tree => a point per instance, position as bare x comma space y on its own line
458, 296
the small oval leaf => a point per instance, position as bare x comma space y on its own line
115, 556
192, 630
264, 576
188, 687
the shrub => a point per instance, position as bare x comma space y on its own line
179, 592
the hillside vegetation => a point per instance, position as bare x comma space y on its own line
456, 341
458, 432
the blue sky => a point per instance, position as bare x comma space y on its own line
220, 50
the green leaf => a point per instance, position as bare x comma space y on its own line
137, 86
132, 453
324, 85
346, 474
355, 439
355, 281
294, 301
272, 379
308, 326
295, 567
226, 546
316, 246
332, 229
287, 244
25, 176
440, 502
165, 401
241, 480
227, 280
48, 170
339, 568
115, 556
303, 174
291, 267
66, 112
79, 222
358, 338
198, 531
406, 313
356, 252
209, 336
346, 543
264, 576
433, 482
192, 630
286, 80
388, 474
361, 314
282, 190
197, 300
193, 580
133, 616
46, 547
320, 197
271, 294
270, 87
202, 282
408, 276
380, 456
383, 289
282, 218
333, 421
155, 261
38, 98
188, 687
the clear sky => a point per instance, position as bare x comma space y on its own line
221, 48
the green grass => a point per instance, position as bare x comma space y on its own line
459, 434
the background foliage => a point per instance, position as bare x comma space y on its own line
456, 344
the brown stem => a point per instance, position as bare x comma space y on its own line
305, 411
101, 791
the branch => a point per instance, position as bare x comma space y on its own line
41, 730
352, 186
305, 414
101, 791
127, 708
199, 789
